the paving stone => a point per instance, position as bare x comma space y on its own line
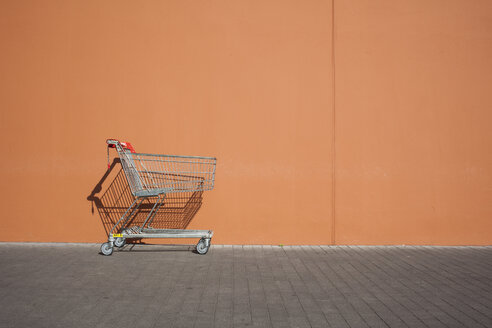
71, 285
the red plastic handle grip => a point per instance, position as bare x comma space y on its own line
126, 145
112, 144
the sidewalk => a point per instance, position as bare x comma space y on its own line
69, 285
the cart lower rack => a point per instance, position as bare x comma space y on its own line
154, 176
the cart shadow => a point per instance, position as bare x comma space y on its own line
112, 196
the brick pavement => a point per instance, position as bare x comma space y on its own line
70, 285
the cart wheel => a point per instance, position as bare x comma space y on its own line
201, 247
119, 241
106, 249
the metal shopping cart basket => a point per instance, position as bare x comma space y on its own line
154, 176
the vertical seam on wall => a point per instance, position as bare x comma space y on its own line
333, 222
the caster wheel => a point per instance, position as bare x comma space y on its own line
201, 247
119, 241
106, 249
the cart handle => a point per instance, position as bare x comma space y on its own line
113, 143
125, 145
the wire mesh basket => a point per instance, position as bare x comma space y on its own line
151, 175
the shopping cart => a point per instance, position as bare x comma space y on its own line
154, 176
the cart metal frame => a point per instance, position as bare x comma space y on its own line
154, 175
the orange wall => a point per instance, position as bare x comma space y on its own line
251, 82
413, 115
247, 82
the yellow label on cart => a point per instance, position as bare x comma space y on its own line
117, 235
